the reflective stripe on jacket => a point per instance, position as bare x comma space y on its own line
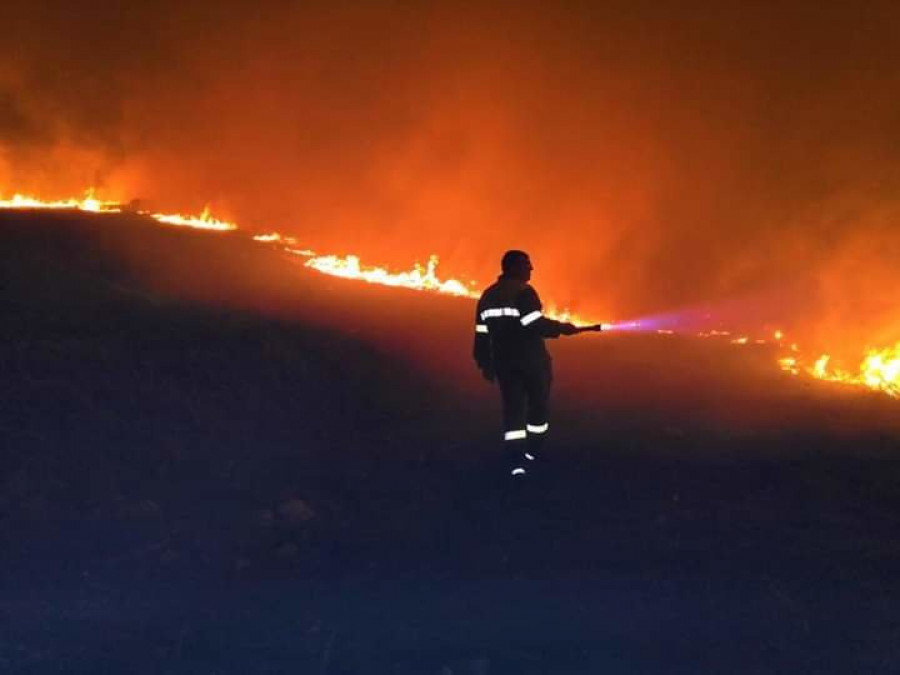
510, 326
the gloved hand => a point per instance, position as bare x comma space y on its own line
569, 329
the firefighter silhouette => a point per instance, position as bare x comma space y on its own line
510, 328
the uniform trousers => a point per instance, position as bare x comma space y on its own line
525, 390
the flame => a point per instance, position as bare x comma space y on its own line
274, 238
820, 369
88, 203
879, 370
204, 221
789, 364
419, 278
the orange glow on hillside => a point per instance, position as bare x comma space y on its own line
879, 370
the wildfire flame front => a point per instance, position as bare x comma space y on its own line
879, 369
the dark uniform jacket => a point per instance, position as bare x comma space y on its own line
510, 328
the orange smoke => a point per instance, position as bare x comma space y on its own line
649, 158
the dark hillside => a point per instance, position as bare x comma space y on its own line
117, 393
215, 461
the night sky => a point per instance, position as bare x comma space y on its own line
651, 156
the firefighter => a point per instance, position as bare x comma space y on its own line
509, 347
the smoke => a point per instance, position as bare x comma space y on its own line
651, 156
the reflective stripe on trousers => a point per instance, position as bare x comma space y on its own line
526, 394
529, 430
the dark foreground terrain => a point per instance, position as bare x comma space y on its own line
216, 462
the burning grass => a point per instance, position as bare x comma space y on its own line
879, 369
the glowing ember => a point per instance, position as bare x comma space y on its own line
204, 221
880, 370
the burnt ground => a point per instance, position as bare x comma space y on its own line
216, 462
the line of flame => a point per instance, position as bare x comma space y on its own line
204, 221
879, 370
418, 278
87, 203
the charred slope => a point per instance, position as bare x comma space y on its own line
124, 391
214, 461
